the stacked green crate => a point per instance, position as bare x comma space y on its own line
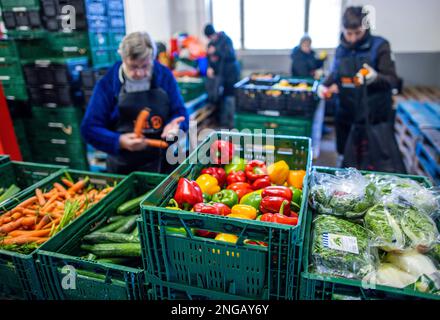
11, 73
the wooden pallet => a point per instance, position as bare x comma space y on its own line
420, 93
405, 135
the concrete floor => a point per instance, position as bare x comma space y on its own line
327, 155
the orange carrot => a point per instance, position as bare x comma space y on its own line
62, 190
6, 228
53, 222
28, 221
50, 201
30, 212
35, 233
67, 182
45, 220
24, 240
40, 197
140, 122
78, 186
16, 215
16, 209
28, 202
156, 143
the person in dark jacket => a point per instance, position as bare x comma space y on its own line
359, 49
222, 62
136, 84
304, 60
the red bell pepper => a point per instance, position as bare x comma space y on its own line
234, 177
218, 173
218, 209
279, 218
255, 169
261, 183
275, 205
277, 191
241, 188
187, 194
221, 152
206, 233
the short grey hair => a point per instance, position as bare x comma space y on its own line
137, 45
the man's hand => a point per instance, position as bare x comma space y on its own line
369, 73
210, 73
172, 129
327, 92
130, 142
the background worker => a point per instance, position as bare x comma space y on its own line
305, 62
359, 49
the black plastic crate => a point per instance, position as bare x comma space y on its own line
264, 79
22, 19
90, 77
248, 98
55, 23
58, 72
273, 100
53, 8
53, 96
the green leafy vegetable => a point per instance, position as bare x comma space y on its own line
419, 228
340, 262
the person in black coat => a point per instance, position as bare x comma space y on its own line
222, 61
304, 60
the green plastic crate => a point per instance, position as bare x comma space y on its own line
112, 282
4, 158
191, 89
116, 38
27, 34
33, 48
69, 43
99, 40
11, 71
281, 125
242, 270
27, 4
25, 175
102, 57
15, 90
59, 123
71, 161
315, 286
8, 49
19, 273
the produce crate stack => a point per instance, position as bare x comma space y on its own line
89, 78
41, 63
191, 87
272, 102
417, 131
20, 112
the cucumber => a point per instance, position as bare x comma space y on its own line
114, 226
114, 219
128, 226
131, 204
105, 250
135, 232
115, 260
90, 256
110, 237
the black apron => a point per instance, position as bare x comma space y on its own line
130, 104
379, 102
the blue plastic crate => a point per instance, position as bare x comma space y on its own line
426, 158
116, 22
419, 115
97, 23
115, 8
96, 7
434, 107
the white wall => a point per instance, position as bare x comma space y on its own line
152, 16
410, 25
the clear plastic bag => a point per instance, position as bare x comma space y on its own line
384, 229
347, 193
419, 228
341, 248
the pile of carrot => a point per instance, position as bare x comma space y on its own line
36, 219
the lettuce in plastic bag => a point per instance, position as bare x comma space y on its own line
347, 193
341, 248
419, 228
384, 229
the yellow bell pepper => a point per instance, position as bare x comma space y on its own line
208, 184
238, 216
244, 210
295, 178
232, 238
278, 172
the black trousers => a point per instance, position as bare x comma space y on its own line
342, 132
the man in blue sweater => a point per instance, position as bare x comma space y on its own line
138, 83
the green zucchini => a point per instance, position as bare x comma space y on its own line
135, 232
128, 226
131, 204
105, 250
114, 219
115, 260
114, 226
110, 237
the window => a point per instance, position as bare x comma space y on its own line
275, 24
226, 17
278, 24
324, 23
